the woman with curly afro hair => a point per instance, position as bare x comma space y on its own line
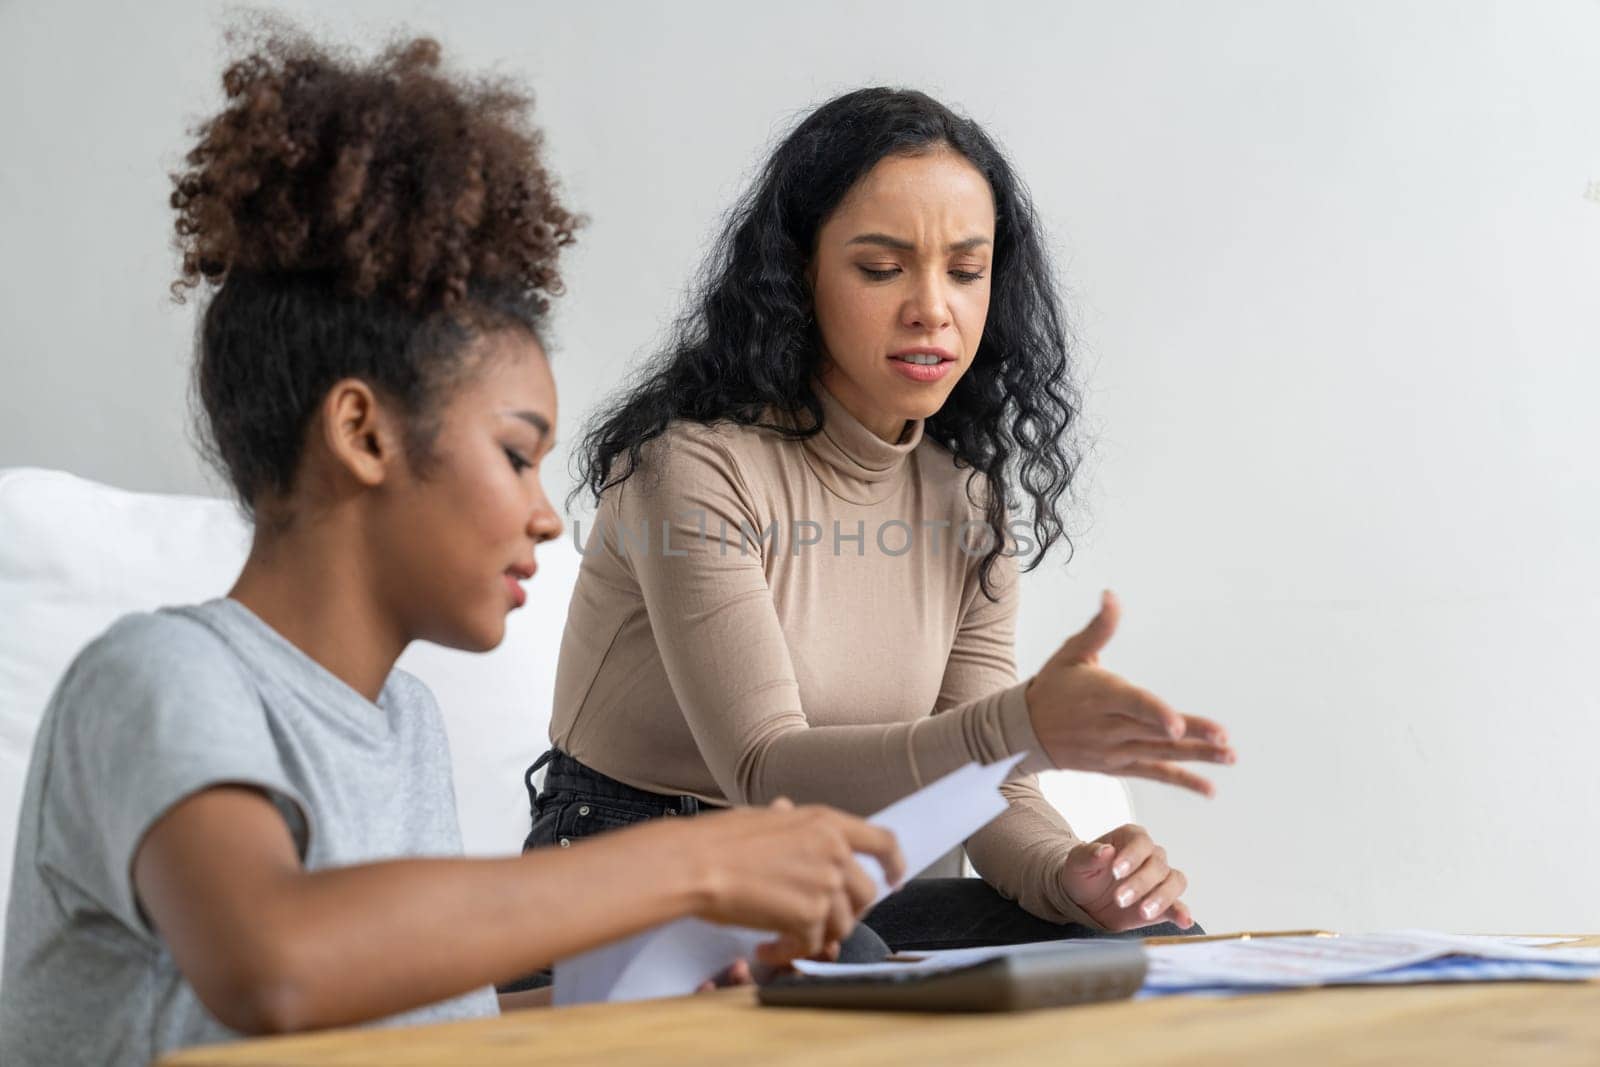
802, 577
239, 817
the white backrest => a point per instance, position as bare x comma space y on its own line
1092, 803
76, 555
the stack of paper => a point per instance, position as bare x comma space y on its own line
1398, 957
1258, 964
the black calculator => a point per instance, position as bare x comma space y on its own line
1076, 973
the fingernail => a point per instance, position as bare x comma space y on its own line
1124, 898
1121, 869
1151, 907
1103, 851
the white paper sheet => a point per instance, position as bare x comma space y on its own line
679, 957
938, 817
1263, 962
1506, 948
1512, 939
675, 959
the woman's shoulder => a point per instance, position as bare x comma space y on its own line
152, 643
729, 435
691, 450
720, 434
148, 659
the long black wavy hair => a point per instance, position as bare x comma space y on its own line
749, 340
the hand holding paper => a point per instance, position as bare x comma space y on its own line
771, 867
937, 818
675, 959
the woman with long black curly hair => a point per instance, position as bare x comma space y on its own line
801, 580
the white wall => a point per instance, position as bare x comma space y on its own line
1335, 276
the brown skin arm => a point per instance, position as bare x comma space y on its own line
270, 947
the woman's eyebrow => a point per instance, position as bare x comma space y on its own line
901, 245
534, 419
883, 239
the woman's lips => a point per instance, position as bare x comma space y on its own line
922, 372
518, 595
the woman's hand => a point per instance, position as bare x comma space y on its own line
1089, 719
1123, 881
789, 870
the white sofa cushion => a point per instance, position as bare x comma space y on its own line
76, 555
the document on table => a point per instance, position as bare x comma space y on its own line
1258, 964
1395, 957
675, 959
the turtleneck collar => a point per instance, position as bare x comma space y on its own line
851, 460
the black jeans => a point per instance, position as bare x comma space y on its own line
927, 913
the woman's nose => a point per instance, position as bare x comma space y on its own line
543, 522
927, 309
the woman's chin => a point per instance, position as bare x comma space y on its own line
482, 634
923, 405
490, 637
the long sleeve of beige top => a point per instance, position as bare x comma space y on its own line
758, 616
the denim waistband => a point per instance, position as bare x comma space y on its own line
564, 774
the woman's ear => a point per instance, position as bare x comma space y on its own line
358, 432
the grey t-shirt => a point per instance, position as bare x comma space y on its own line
158, 707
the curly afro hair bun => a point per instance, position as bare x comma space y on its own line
389, 176
351, 218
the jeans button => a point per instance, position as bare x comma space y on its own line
566, 843
584, 810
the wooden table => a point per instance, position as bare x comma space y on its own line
1512, 1023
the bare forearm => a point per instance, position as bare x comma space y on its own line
376, 939
270, 947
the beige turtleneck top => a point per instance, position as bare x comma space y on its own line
759, 617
